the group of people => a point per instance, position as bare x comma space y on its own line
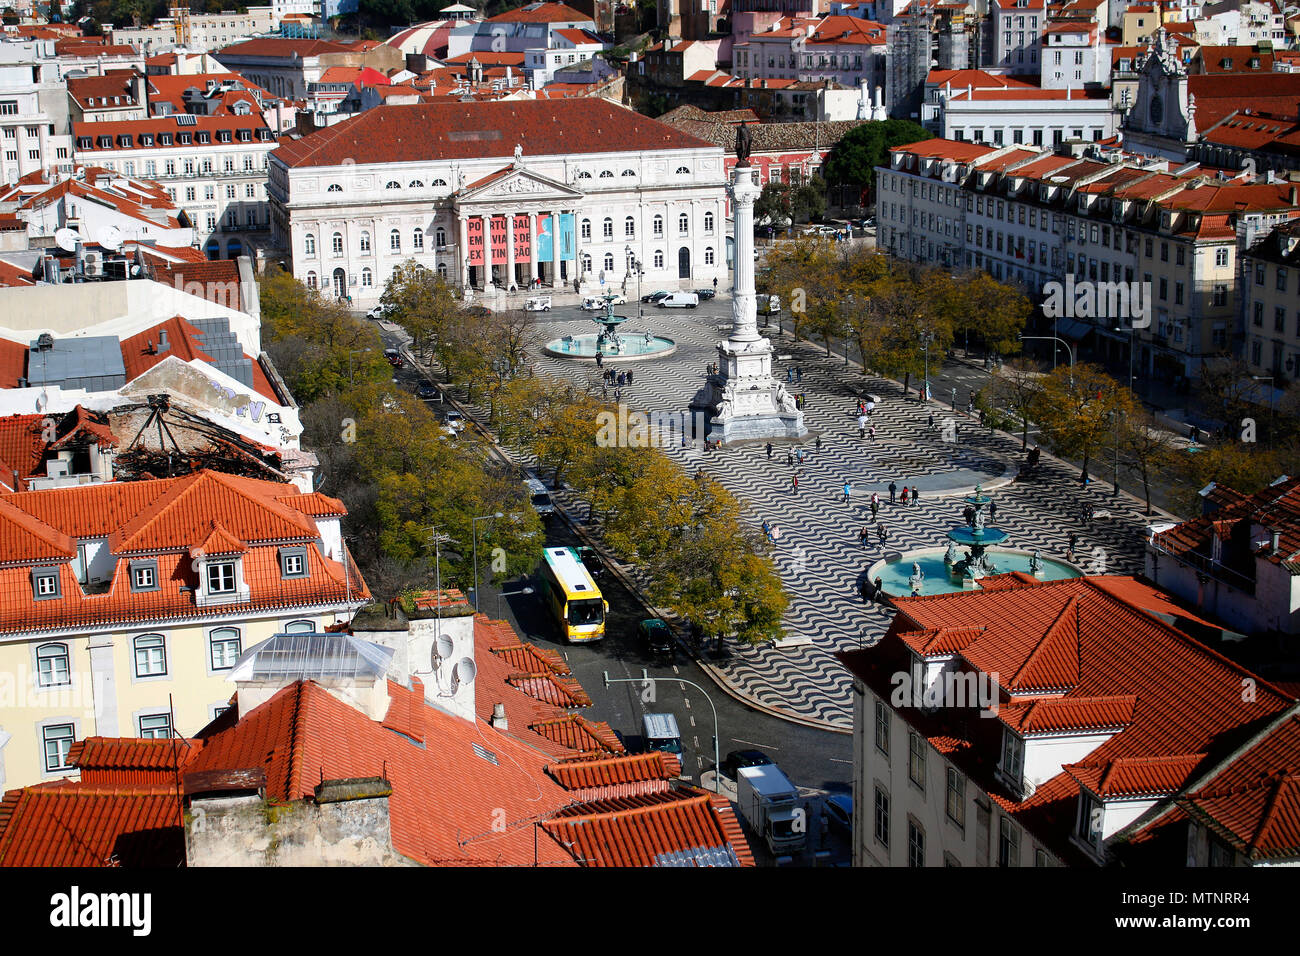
772, 532
882, 535
617, 379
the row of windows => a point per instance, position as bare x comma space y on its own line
220, 577
209, 192
149, 654
442, 183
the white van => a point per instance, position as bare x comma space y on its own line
680, 300
538, 303
539, 497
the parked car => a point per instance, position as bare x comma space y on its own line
539, 497
394, 358
426, 390
596, 303
592, 561
538, 303
706, 293
379, 312
838, 808
744, 758
656, 636
455, 420
679, 300
769, 304
654, 297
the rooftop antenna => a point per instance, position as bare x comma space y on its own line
110, 237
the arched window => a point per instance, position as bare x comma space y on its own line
336, 243
629, 172
439, 182
150, 655
300, 627
440, 236
311, 280
609, 262
334, 188
309, 244
417, 238
586, 262
52, 665
607, 228
393, 184
607, 174
367, 278
683, 171
586, 228
415, 184
365, 242
708, 223
584, 175
442, 270
395, 241
659, 258
683, 224
659, 225
225, 647
629, 228
708, 255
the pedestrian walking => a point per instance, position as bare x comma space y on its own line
880, 591
1069, 551
903, 498
776, 534
600, 360
871, 407
789, 375
818, 443
893, 492
794, 483
931, 424
916, 496
789, 458
862, 432
769, 449
875, 509
881, 534
629, 376
993, 511
970, 405
871, 432
862, 409
767, 529
863, 534
848, 490
798, 374
715, 283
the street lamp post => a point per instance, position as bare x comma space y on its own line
352, 375
926, 338
1116, 414
474, 528
501, 594
645, 678
1064, 344
635, 263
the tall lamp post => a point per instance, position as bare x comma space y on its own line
634, 263
474, 528
1132, 344
926, 338
645, 678
1056, 338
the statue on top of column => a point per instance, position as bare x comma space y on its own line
744, 144
519, 153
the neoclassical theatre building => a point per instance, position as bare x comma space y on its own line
458, 186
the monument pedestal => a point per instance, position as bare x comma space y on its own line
742, 401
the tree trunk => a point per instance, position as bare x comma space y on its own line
1086, 458
1024, 433
907, 381
1146, 486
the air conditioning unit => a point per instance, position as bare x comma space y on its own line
94, 264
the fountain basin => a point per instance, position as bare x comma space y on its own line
969, 538
631, 347
894, 572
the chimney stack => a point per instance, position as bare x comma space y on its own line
499, 716
1277, 541
163, 345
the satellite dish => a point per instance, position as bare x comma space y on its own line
444, 648
466, 670
67, 239
110, 237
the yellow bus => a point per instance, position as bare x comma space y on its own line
572, 596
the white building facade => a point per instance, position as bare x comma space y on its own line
629, 190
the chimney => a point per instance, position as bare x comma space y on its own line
1295, 195
499, 716
163, 345
1277, 546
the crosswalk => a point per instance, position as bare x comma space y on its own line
819, 555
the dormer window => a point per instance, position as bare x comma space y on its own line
124, 140
164, 139
293, 562
1013, 757
45, 584
183, 138
204, 136
144, 576
221, 577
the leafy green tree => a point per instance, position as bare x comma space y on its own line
1074, 410
421, 301
853, 160
1016, 387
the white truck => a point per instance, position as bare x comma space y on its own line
770, 803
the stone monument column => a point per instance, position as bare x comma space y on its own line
742, 401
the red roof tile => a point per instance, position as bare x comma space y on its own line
280, 48
1069, 714
132, 826
542, 13
434, 131
1136, 776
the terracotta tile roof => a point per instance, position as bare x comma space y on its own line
77, 824
1254, 802
1053, 665
622, 776
163, 124
114, 84
219, 541
433, 131
959, 79
530, 657
446, 797
575, 734
1275, 508
940, 641
120, 761
278, 48
488, 58
1069, 714
1131, 665
25, 540
545, 685
315, 504
685, 827
11, 276
541, 13
1136, 776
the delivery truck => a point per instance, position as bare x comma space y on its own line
771, 806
